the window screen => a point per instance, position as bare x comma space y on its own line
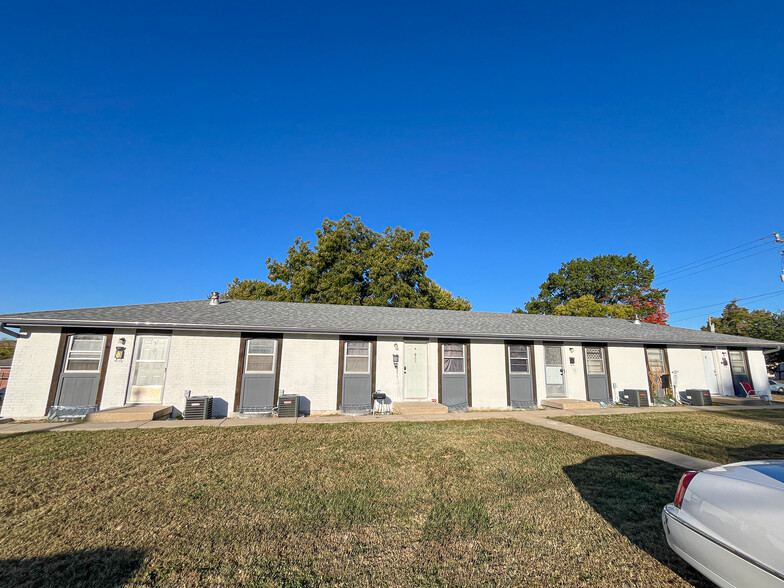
518, 359
594, 360
84, 353
552, 355
454, 360
656, 359
260, 356
357, 357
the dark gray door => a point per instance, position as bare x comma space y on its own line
81, 373
357, 377
596, 374
454, 377
521, 382
258, 376
553, 372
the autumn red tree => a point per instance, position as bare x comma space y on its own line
617, 286
650, 307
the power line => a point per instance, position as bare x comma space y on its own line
688, 318
694, 265
668, 280
674, 270
774, 293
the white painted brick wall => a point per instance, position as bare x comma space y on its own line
627, 368
758, 371
118, 370
31, 374
432, 370
389, 380
689, 367
488, 374
206, 364
309, 367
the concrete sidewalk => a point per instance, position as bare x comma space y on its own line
538, 418
679, 459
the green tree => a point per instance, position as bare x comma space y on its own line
352, 264
606, 285
587, 306
7, 348
759, 324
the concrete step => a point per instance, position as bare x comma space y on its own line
419, 408
122, 414
568, 403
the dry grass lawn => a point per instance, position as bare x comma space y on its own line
724, 437
471, 503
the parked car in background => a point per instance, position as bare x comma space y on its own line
728, 523
776, 387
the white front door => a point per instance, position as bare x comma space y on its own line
149, 370
711, 377
415, 368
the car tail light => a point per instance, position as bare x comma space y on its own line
686, 479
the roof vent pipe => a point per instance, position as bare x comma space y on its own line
637, 320
214, 298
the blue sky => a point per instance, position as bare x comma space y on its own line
154, 151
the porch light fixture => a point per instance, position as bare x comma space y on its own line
395, 359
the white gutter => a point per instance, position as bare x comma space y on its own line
382, 333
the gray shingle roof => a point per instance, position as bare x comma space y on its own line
287, 317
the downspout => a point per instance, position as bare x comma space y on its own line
8, 332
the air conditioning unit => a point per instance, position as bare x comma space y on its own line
288, 405
198, 408
698, 397
634, 397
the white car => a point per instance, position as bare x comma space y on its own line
728, 523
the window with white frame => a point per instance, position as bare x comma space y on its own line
454, 358
518, 359
260, 356
84, 353
357, 357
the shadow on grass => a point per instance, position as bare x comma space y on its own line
629, 491
756, 452
99, 568
773, 417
